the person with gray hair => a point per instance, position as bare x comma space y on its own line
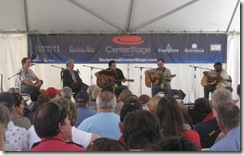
209, 130
66, 92
228, 118
72, 79
105, 122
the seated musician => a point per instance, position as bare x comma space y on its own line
111, 77
217, 78
163, 80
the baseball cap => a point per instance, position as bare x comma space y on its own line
144, 98
82, 97
51, 92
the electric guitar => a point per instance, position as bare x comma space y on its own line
109, 80
154, 78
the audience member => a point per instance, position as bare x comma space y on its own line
16, 136
2, 137
66, 92
201, 111
144, 101
17, 112
132, 103
123, 95
228, 118
209, 130
91, 88
105, 144
34, 103
4, 120
94, 95
51, 92
238, 91
99, 123
52, 125
153, 102
172, 121
140, 128
82, 102
173, 143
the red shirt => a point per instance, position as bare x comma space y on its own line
56, 143
193, 136
208, 117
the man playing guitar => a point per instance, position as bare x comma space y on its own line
164, 78
215, 79
111, 77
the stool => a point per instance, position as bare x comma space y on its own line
161, 90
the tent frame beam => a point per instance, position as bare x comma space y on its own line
233, 15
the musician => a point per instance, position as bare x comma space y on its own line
26, 79
217, 78
164, 80
113, 71
72, 79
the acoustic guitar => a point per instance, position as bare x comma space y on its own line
154, 78
109, 80
207, 81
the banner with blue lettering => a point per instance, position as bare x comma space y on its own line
173, 48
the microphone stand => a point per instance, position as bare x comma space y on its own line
91, 72
61, 73
194, 79
141, 76
13, 75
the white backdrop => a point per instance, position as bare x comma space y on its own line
14, 47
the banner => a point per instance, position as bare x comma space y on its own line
173, 48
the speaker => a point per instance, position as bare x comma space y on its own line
177, 94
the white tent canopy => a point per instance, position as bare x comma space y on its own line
21, 17
119, 16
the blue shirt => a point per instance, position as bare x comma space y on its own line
83, 113
106, 124
231, 142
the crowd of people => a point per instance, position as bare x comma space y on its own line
82, 118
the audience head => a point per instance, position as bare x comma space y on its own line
7, 99
129, 106
238, 90
91, 88
106, 100
34, 94
144, 98
50, 120
4, 115
170, 116
12, 90
140, 128
95, 93
42, 98
105, 144
51, 92
19, 104
202, 105
229, 88
82, 99
228, 116
153, 102
124, 94
173, 143
2, 137
66, 92
70, 108
220, 95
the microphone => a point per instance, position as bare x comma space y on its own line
32, 64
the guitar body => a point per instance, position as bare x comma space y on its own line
206, 81
154, 79
109, 80
105, 80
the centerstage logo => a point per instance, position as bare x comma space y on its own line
128, 40
194, 49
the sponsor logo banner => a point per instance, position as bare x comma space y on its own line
173, 48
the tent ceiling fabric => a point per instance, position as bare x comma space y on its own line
119, 16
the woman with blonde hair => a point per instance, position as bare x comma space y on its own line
153, 103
